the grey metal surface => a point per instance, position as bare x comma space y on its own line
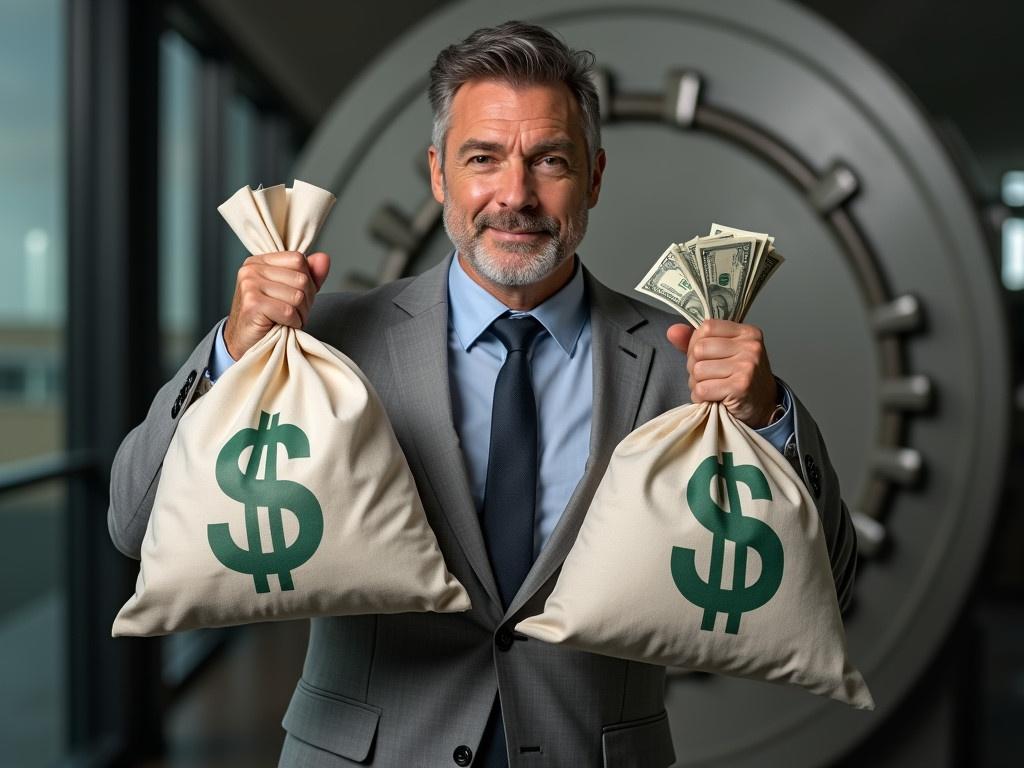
758, 115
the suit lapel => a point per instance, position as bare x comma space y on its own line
418, 348
621, 366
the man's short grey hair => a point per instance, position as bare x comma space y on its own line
519, 54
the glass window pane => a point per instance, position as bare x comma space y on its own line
32, 229
179, 200
32, 625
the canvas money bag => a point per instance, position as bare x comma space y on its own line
284, 493
703, 550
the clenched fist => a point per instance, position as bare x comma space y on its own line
272, 289
728, 363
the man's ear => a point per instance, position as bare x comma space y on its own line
436, 174
596, 172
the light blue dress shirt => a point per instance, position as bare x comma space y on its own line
561, 370
561, 363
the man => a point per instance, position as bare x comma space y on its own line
509, 374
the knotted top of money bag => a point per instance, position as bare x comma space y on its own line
274, 219
284, 493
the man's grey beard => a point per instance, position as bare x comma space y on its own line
559, 245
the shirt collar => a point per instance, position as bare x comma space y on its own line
472, 309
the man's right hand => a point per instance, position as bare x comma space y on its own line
272, 289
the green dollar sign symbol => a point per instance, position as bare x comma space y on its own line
732, 525
267, 492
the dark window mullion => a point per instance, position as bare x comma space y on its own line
215, 90
113, 361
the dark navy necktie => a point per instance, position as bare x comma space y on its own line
509, 495
510, 492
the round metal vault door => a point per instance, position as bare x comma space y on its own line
885, 318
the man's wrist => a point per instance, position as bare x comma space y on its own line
220, 356
777, 411
779, 431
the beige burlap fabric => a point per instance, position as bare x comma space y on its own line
284, 493
703, 550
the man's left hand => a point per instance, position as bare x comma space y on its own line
728, 363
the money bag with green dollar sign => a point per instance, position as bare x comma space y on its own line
284, 493
703, 550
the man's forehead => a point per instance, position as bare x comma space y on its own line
490, 109
497, 100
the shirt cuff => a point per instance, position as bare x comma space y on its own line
779, 433
220, 358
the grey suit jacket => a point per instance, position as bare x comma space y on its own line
409, 689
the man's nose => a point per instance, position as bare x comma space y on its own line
516, 187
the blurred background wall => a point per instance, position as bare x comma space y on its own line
122, 126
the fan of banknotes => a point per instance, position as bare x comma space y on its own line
717, 275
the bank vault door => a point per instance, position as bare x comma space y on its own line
884, 318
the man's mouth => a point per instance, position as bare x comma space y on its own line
517, 234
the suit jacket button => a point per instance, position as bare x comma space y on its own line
503, 639
462, 755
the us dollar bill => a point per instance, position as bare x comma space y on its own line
765, 260
689, 252
671, 282
766, 267
716, 275
725, 263
761, 237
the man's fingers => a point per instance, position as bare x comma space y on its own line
712, 348
288, 259
712, 369
728, 329
713, 390
279, 312
679, 336
727, 364
319, 264
287, 293
270, 289
715, 327
290, 278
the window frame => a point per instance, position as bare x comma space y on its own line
115, 695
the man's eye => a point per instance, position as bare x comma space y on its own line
479, 159
552, 161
